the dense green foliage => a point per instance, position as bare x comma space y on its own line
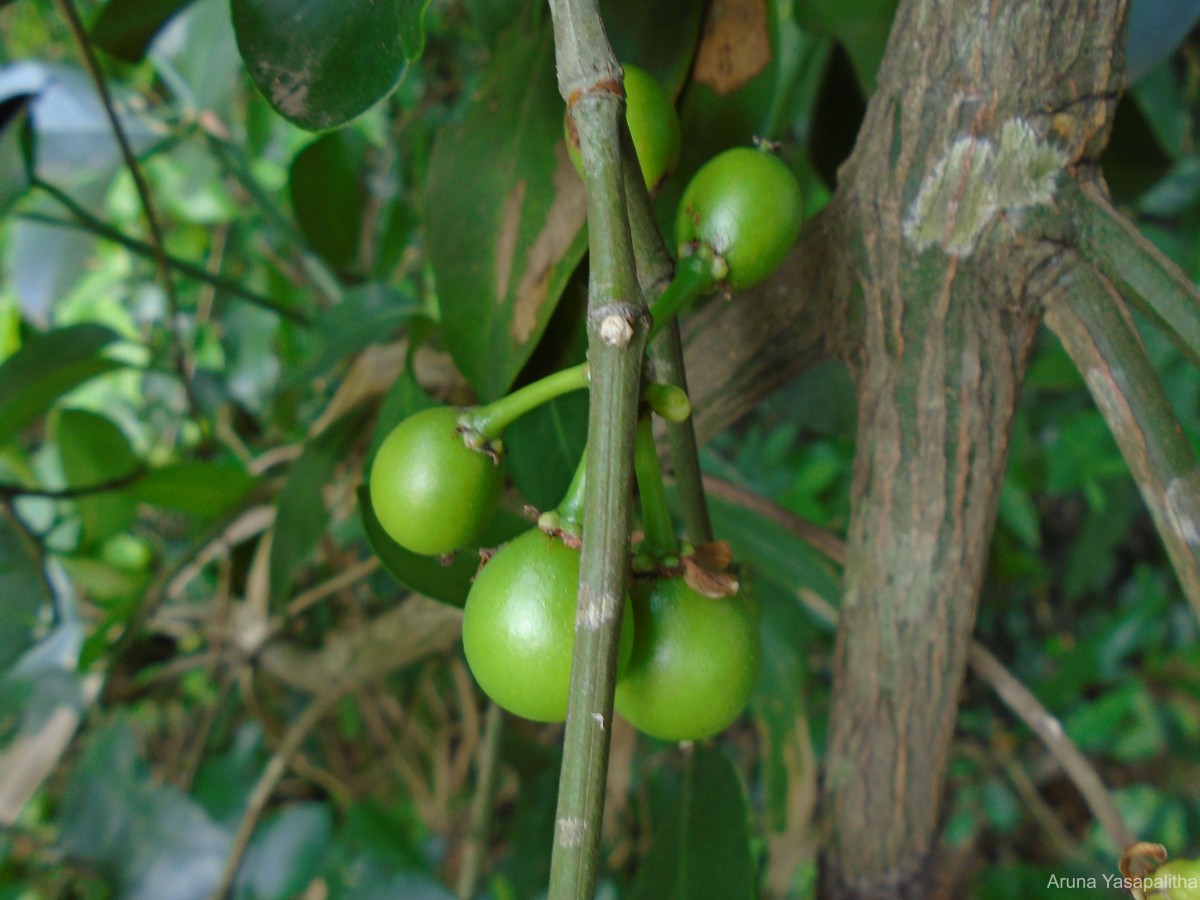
188, 557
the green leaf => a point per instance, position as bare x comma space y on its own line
544, 447
329, 196
862, 28
505, 213
428, 575
302, 516
365, 314
659, 37
286, 853
322, 63
125, 28
201, 489
15, 150
45, 368
22, 589
93, 451
156, 839
702, 849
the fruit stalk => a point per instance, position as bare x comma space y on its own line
490, 421
693, 278
656, 514
589, 80
654, 271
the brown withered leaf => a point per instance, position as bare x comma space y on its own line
706, 570
735, 45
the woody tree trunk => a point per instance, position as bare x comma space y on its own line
984, 111
948, 235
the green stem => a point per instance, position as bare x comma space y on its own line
491, 420
655, 271
656, 513
589, 80
570, 510
693, 278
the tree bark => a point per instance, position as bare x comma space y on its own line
931, 274
984, 109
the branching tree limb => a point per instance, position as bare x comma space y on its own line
1090, 319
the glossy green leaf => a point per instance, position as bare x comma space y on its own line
94, 451
702, 849
23, 590
125, 28
505, 211
45, 368
428, 575
302, 515
321, 63
201, 489
329, 196
862, 28
15, 159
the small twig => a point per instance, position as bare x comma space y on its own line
820, 539
295, 735
102, 487
1018, 698
343, 579
92, 64
475, 846
85, 221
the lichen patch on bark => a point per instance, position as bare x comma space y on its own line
975, 179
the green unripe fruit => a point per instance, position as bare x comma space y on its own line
653, 126
695, 661
744, 204
519, 626
1178, 879
431, 492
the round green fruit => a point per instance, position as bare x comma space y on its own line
1178, 879
746, 205
695, 661
519, 626
653, 126
431, 492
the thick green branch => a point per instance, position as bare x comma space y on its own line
1089, 317
589, 80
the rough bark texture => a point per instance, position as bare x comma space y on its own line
942, 236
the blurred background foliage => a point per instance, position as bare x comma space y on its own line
185, 574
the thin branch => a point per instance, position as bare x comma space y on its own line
1088, 315
1049, 729
92, 64
102, 487
475, 847
1146, 278
1018, 698
295, 735
84, 220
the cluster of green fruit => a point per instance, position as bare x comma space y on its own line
688, 659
